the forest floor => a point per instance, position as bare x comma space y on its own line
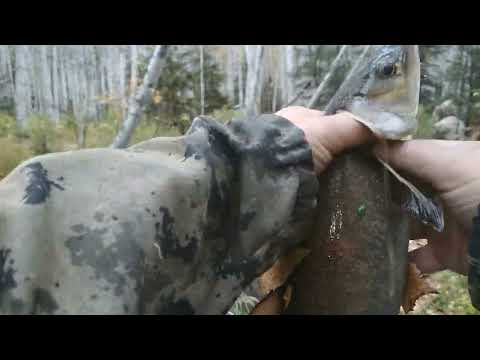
452, 297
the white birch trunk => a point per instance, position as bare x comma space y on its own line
23, 89
142, 98
253, 86
121, 74
46, 88
133, 69
241, 87
7, 87
202, 84
55, 84
291, 70
231, 73
64, 96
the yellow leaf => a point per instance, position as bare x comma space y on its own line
157, 99
416, 287
281, 270
273, 304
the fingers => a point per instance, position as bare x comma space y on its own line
344, 132
438, 162
328, 135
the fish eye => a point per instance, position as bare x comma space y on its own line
388, 70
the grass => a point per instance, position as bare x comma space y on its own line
12, 153
453, 298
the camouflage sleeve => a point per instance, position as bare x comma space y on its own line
168, 226
263, 207
474, 262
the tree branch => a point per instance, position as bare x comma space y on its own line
335, 65
142, 97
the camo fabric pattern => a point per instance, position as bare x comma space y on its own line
168, 226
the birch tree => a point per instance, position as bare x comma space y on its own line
290, 70
133, 68
6, 73
241, 86
202, 83
23, 86
46, 86
253, 85
231, 73
142, 97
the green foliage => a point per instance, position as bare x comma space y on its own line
7, 124
453, 297
425, 123
226, 114
243, 305
42, 135
13, 153
177, 98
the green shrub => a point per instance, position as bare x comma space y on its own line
8, 125
225, 114
42, 135
452, 298
425, 123
12, 154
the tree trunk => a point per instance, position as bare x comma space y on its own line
202, 83
55, 84
142, 98
23, 86
253, 86
46, 87
133, 69
335, 65
291, 70
232, 63
241, 87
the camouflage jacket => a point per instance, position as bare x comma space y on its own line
168, 226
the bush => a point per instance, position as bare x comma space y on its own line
226, 114
12, 154
8, 125
41, 133
425, 123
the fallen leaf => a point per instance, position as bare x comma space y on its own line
416, 287
281, 270
273, 304
416, 244
287, 296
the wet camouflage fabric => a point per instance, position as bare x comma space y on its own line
168, 226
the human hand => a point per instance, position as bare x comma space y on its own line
328, 135
452, 168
